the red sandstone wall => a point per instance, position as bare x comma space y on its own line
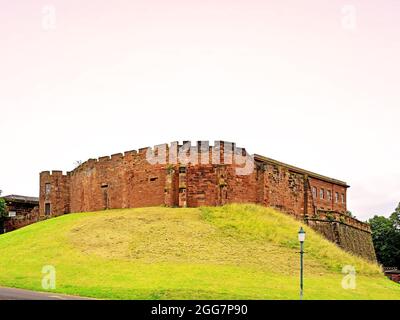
286, 190
213, 185
129, 180
201, 185
119, 181
325, 203
58, 196
242, 188
171, 189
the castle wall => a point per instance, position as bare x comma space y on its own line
325, 202
354, 237
285, 190
292, 192
54, 192
119, 181
213, 179
242, 189
201, 175
201, 186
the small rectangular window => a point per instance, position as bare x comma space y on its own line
322, 193
47, 188
337, 197
343, 198
314, 192
152, 179
47, 209
329, 195
182, 169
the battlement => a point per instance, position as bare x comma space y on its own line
53, 173
222, 152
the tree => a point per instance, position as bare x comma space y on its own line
386, 239
395, 217
350, 214
77, 163
3, 214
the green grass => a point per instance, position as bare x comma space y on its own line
230, 252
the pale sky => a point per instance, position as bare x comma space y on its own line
312, 83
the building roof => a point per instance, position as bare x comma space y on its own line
392, 271
21, 199
302, 171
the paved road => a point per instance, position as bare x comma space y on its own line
19, 294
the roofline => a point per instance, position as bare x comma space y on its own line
12, 198
392, 271
302, 171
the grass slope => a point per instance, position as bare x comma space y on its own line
230, 252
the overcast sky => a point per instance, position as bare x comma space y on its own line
312, 83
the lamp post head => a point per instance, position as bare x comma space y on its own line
302, 235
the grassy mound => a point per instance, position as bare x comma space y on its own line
230, 252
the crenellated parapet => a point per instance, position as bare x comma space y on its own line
54, 173
201, 153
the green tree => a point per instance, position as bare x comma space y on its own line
3, 214
350, 214
386, 238
395, 217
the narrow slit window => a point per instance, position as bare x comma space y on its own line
47, 188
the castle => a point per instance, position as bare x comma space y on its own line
202, 175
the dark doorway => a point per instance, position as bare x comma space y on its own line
47, 209
104, 188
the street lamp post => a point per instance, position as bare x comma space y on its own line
302, 237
